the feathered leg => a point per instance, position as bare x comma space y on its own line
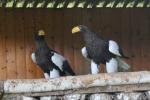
46, 75
94, 67
54, 73
112, 66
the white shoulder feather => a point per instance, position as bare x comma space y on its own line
84, 52
58, 60
33, 58
114, 48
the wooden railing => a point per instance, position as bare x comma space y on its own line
132, 85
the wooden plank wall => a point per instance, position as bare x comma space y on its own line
129, 27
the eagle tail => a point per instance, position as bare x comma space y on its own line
125, 57
67, 68
122, 65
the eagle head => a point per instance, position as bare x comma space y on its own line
79, 28
39, 35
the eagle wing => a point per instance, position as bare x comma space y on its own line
62, 63
114, 48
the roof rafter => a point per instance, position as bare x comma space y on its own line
86, 3
15, 3
95, 3
35, 4
146, 3
126, 3
57, 2
116, 2
46, 3
106, 2
76, 4
25, 3
66, 3
4, 3
136, 3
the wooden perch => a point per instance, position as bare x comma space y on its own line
117, 82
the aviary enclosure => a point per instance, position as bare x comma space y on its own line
129, 27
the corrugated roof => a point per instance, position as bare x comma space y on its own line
74, 3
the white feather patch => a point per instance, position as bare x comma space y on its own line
114, 48
54, 73
84, 52
46, 75
33, 58
112, 66
94, 67
58, 60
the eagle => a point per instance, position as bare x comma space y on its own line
101, 51
51, 62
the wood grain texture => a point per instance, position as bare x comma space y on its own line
38, 25
20, 45
29, 27
68, 38
130, 28
10, 45
116, 82
3, 67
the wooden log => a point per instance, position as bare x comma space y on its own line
75, 97
131, 96
117, 82
100, 97
51, 98
28, 98
148, 95
12, 97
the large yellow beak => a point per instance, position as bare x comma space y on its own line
41, 33
75, 30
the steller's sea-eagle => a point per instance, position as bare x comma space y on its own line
100, 50
51, 62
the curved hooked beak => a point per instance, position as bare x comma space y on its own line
75, 30
41, 33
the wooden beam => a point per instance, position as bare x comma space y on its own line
101, 89
129, 81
